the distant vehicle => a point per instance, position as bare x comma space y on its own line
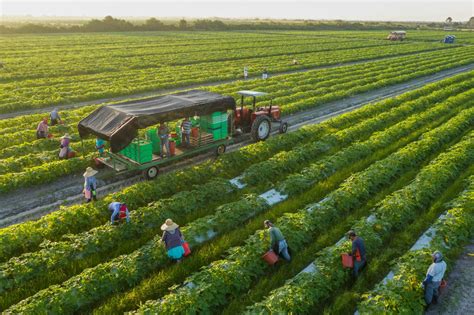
397, 35
449, 39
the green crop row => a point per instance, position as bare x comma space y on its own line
208, 288
405, 295
307, 289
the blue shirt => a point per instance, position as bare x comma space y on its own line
90, 181
115, 208
358, 244
99, 145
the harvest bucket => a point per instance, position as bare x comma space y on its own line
195, 132
172, 148
270, 257
187, 251
443, 285
347, 261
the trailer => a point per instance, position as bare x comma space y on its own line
120, 124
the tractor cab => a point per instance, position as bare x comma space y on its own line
257, 119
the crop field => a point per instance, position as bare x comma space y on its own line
397, 170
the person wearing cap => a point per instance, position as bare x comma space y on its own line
434, 275
119, 212
42, 129
173, 240
64, 146
277, 240
358, 252
90, 184
100, 145
54, 116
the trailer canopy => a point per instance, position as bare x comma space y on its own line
119, 123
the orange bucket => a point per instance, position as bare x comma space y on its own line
195, 132
172, 148
347, 261
443, 285
270, 257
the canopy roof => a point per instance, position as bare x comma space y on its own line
119, 123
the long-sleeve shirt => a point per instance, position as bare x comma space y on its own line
436, 272
172, 239
54, 115
163, 132
186, 125
114, 207
65, 142
90, 181
275, 235
42, 127
358, 247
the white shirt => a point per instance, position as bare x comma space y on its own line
437, 270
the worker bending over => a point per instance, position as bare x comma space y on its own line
277, 240
119, 212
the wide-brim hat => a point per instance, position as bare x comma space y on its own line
66, 136
169, 225
90, 172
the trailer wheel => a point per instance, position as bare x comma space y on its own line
261, 128
220, 149
283, 127
151, 172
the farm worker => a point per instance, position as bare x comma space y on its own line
186, 129
277, 240
90, 184
246, 73
119, 212
100, 146
65, 149
265, 74
42, 130
358, 252
434, 275
163, 134
54, 115
173, 240
295, 62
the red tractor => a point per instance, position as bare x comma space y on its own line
257, 120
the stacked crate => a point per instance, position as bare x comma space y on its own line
215, 124
155, 141
139, 150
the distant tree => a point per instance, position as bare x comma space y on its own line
449, 20
471, 22
153, 24
183, 24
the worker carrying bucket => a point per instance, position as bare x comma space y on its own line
356, 259
434, 279
119, 212
278, 245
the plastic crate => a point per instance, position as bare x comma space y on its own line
216, 117
218, 133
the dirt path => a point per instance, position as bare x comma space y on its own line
458, 299
193, 86
33, 202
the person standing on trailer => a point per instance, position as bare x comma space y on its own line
246, 73
163, 134
277, 240
434, 275
90, 184
265, 74
100, 146
42, 129
186, 130
119, 212
358, 252
54, 116
173, 240
64, 146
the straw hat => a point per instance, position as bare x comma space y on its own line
66, 136
169, 225
90, 172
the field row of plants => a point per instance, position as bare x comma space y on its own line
42, 92
314, 91
208, 289
121, 278
449, 234
79, 247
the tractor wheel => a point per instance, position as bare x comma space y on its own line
151, 173
283, 127
220, 149
261, 128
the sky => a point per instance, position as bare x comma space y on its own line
367, 10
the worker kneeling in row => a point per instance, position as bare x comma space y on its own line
119, 212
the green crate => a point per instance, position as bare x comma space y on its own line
216, 117
218, 133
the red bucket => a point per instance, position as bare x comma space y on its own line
172, 148
443, 285
347, 261
186, 248
270, 257
195, 132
